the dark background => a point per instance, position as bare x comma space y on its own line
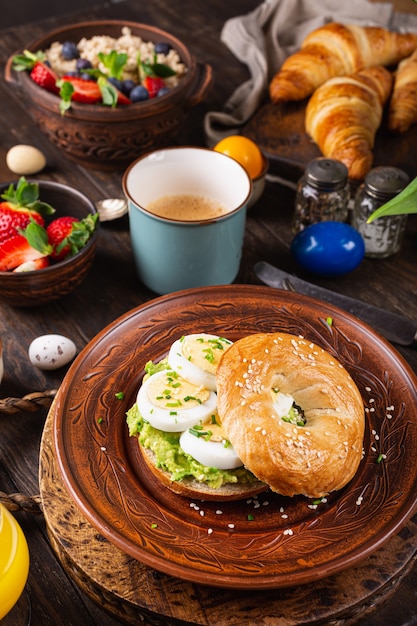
14, 12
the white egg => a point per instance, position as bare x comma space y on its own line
23, 159
172, 404
282, 403
208, 445
50, 352
196, 357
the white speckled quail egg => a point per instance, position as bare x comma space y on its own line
24, 160
50, 352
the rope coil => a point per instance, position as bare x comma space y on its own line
21, 502
30, 403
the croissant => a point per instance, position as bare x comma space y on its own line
343, 115
403, 104
336, 50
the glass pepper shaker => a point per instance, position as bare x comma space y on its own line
322, 194
383, 237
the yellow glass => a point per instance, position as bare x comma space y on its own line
14, 561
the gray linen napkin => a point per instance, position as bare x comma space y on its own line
263, 39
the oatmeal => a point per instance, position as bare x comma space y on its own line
134, 46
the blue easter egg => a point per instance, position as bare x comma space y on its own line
328, 248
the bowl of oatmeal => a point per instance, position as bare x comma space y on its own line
146, 80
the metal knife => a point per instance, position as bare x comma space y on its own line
396, 328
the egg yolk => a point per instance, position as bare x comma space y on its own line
244, 151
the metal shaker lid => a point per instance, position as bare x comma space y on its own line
326, 173
386, 182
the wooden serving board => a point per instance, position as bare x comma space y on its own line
278, 129
134, 593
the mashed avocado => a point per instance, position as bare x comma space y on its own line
170, 457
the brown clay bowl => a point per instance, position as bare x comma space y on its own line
39, 287
101, 137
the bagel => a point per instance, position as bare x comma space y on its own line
318, 448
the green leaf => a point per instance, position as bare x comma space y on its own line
114, 62
37, 237
66, 89
162, 71
26, 195
108, 92
404, 202
26, 61
80, 234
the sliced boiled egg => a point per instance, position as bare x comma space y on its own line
282, 402
208, 444
286, 408
196, 357
170, 403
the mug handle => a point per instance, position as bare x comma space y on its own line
204, 81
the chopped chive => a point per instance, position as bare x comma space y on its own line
250, 517
154, 525
188, 398
100, 419
381, 457
329, 321
120, 395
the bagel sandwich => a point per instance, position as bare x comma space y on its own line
176, 423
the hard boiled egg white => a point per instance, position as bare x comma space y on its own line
172, 404
208, 445
196, 357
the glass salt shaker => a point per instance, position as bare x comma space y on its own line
382, 237
322, 194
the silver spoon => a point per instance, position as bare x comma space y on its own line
111, 208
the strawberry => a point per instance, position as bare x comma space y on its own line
15, 251
21, 206
35, 264
58, 232
153, 84
122, 98
40, 72
83, 90
12, 218
43, 76
67, 235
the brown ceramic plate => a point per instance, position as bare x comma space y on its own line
259, 544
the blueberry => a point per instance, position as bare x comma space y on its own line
162, 47
86, 76
139, 93
127, 85
163, 91
83, 64
70, 50
116, 83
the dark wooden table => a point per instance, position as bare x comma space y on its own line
112, 287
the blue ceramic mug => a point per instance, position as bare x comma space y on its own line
187, 214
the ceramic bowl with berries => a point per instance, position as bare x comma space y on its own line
107, 91
48, 234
